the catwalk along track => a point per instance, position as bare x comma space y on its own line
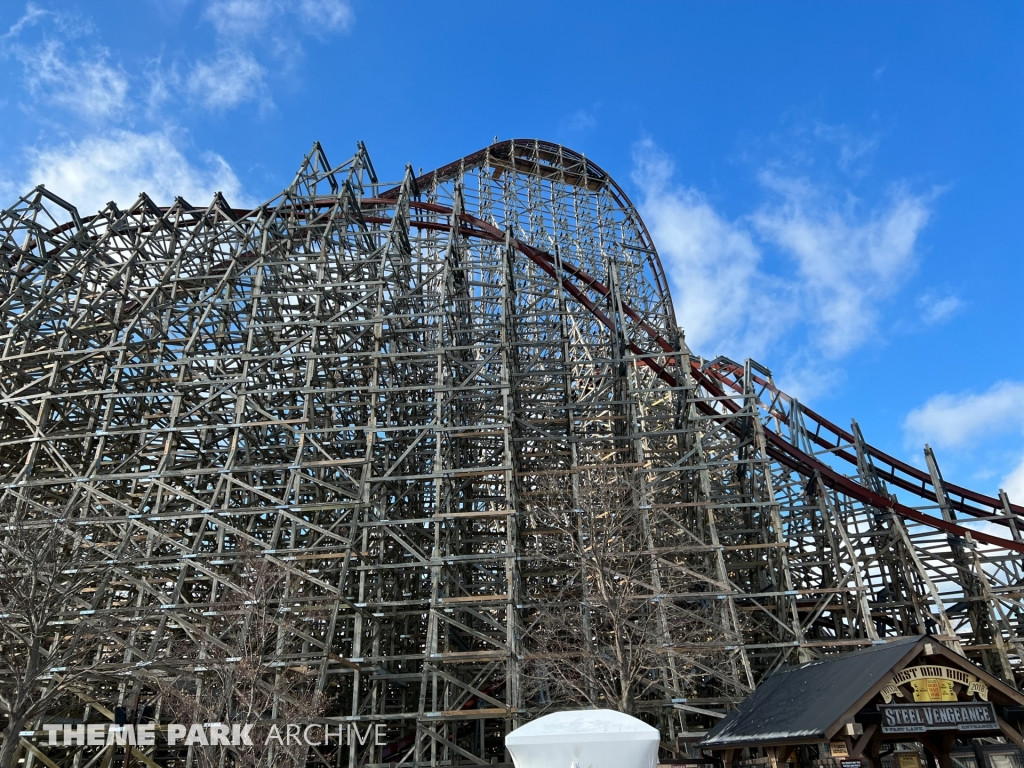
367, 423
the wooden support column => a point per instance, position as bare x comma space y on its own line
875, 750
939, 746
863, 741
1011, 733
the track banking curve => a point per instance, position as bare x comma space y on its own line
391, 395
715, 376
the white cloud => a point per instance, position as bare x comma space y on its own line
120, 165
937, 308
230, 79
854, 150
580, 121
161, 82
954, 420
835, 265
327, 15
806, 376
724, 302
1013, 483
235, 19
846, 262
84, 81
9, 192
33, 14
89, 87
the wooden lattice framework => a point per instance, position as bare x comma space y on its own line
367, 385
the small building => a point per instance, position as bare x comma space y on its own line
862, 707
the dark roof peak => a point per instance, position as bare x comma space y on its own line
810, 701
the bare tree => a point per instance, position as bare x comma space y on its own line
243, 675
601, 635
51, 639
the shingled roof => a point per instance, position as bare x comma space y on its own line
805, 702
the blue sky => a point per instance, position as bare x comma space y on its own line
836, 189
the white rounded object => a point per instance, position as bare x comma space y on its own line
593, 738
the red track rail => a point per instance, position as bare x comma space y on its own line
892, 470
714, 378
779, 448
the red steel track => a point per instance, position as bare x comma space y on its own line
715, 379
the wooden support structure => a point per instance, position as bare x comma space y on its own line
911, 691
373, 387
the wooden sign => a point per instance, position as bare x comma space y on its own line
959, 716
931, 682
838, 749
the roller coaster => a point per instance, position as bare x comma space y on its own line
371, 386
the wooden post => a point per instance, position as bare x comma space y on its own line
1011, 733
863, 741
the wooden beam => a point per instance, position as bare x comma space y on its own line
38, 753
863, 741
1010, 732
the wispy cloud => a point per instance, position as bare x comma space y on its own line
936, 308
250, 30
1013, 483
162, 83
60, 71
956, 420
326, 15
66, 69
238, 19
725, 302
96, 170
847, 258
579, 122
32, 15
86, 84
855, 150
233, 77
235, 21
806, 272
